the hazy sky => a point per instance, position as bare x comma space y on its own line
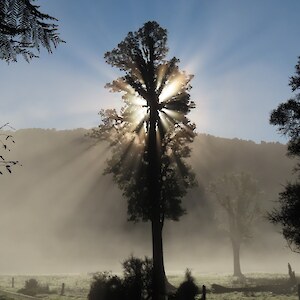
241, 53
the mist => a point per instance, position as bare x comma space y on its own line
60, 214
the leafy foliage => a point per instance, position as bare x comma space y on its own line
295, 80
24, 29
287, 215
287, 118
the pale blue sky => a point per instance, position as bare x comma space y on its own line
241, 52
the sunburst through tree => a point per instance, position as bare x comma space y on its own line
150, 136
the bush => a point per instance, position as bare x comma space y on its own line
32, 288
135, 285
137, 278
31, 284
187, 289
106, 287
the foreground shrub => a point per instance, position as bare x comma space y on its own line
187, 289
106, 287
137, 278
135, 285
32, 288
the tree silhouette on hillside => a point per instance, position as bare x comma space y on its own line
151, 134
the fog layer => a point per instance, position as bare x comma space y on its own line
59, 214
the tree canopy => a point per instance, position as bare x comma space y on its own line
288, 216
237, 197
287, 117
127, 131
237, 194
24, 29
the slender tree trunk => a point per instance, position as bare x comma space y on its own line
159, 275
236, 258
154, 168
154, 183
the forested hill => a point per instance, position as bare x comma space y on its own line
59, 202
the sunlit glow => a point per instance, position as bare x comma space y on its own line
174, 114
139, 101
123, 86
164, 121
160, 74
136, 111
172, 88
139, 114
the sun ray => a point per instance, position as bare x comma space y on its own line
170, 90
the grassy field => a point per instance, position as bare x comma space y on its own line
77, 286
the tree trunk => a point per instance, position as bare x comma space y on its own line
236, 258
159, 276
154, 182
154, 170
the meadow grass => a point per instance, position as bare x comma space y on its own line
77, 286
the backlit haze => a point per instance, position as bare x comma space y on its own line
59, 214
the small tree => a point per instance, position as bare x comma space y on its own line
150, 135
23, 29
287, 117
237, 197
187, 289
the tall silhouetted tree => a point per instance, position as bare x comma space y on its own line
237, 195
150, 135
287, 117
24, 29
